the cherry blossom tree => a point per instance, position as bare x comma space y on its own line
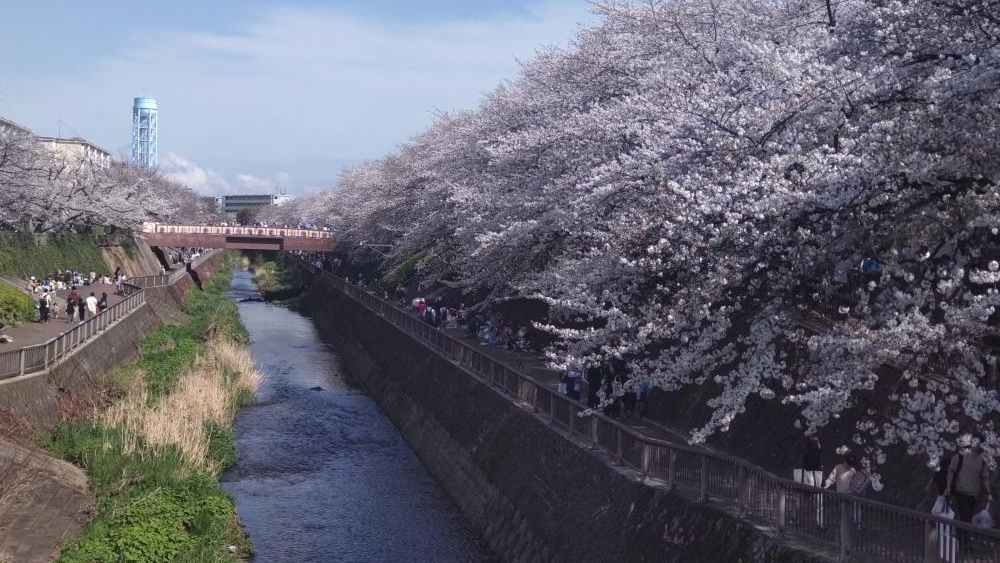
788, 200
45, 190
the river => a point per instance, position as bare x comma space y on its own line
323, 476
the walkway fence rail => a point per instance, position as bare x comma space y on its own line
172, 278
852, 528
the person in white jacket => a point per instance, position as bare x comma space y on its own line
840, 480
842, 474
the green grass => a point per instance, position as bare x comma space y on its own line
150, 507
21, 257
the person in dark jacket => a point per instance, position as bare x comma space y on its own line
594, 377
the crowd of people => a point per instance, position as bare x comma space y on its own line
77, 306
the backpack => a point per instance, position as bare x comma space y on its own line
860, 482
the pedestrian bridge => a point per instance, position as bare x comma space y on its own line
242, 238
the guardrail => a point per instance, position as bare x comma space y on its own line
854, 528
41, 357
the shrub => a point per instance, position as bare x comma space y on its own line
15, 305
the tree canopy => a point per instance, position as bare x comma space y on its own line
46, 190
693, 185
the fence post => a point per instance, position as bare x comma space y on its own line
22, 361
703, 485
571, 417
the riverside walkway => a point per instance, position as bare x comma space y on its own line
834, 526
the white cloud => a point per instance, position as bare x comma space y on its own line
185, 172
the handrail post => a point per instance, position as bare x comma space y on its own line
618, 447
703, 485
931, 539
741, 491
781, 516
571, 417
845, 528
672, 470
22, 361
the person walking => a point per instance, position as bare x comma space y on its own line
811, 473
847, 477
968, 478
73, 301
573, 378
594, 378
91, 305
44, 304
102, 303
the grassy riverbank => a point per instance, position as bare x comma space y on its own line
161, 438
22, 255
273, 282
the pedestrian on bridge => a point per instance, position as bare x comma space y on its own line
968, 478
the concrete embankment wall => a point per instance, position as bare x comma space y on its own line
533, 495
36, 398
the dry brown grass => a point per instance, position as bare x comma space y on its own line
203, 396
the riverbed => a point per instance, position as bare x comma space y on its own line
323, 476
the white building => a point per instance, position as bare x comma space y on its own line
77, 150
233, 204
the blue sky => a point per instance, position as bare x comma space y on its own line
258, 95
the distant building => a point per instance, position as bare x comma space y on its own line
233, 204
77, 150
9, 128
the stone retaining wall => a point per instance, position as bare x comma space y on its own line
534, 496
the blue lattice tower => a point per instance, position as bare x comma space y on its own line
144, 122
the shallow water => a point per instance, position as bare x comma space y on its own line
323, 476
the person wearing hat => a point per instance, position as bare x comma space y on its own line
968, 477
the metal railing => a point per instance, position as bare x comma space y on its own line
160, 280
41, 357
236, 231
853, 527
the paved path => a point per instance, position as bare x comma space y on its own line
44, 503
33, 332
